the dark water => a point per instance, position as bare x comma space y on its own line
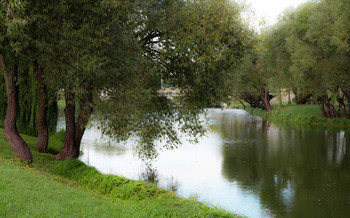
245, 165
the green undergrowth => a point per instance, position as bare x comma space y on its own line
300, 114
70, 188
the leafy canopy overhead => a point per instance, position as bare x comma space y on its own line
120, 51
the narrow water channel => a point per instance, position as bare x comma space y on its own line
246, 165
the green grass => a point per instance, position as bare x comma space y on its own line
53, 188
300, 114
60, 107
26, 192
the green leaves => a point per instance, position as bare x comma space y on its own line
306, 50
123, 50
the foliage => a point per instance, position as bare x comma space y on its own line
252, 76
16, 47
118, 52
307, 52
172, 43
27, 105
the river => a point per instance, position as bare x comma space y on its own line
245, 165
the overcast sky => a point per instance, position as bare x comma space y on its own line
270, 9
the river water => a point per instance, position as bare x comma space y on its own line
245, 165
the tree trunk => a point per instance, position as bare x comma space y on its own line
289, 99
41, 123
70, 149
327, 107
331, 110
75, 130
85, 112
18, 145
242, 104
342, 107
325, 114
280, 98
266, 101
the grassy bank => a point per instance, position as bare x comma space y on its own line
300, 114
70, 188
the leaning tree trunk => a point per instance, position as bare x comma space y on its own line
70, 150
242, 104
18, 145
324, 112
327, 108
75, 130
83, 118
41, 123
266, 101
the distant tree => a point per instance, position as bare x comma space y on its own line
252, 77
307, 50
321, 67
277, 57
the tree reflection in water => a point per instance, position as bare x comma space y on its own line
151, 174
296, 171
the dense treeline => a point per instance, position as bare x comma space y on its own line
109, 58
306, 53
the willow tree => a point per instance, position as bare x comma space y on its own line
336, 44
43, 30
31, 52
118, 53
13, 41
110, 56
308, 50
277, 57
318, 59
253, 76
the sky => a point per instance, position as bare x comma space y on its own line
270, 9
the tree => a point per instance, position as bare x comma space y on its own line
320, 65
307, 50
110, 56
277, 57
188, 44
13, 41
252, 77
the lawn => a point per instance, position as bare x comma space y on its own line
51, 188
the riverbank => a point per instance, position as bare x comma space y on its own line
70, 188
300, 114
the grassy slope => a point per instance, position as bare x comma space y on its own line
26, 192
70, 188
300, 114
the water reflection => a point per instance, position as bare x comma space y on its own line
295, 172
246, 165
150, 174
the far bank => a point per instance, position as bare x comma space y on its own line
300, 114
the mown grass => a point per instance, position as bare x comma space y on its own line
70, 188
300, 114
60, 107
24, 192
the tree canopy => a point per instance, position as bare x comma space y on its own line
307, 52
110, 56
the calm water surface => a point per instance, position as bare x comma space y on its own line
245, 165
